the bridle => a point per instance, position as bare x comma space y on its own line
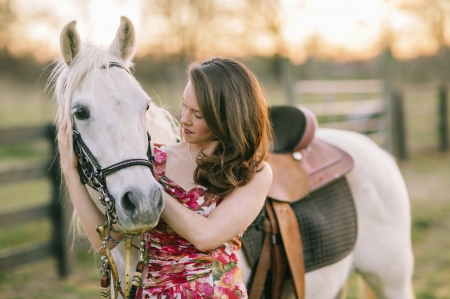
94, 175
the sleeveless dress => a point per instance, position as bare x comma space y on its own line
174, 268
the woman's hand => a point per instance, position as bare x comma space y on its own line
68, 159
89, 214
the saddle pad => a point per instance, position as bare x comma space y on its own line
328, 224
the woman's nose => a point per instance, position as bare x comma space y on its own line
185, 119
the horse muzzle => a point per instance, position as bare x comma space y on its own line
138, 212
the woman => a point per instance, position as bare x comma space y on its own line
210, 199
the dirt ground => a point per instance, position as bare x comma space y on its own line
427, 177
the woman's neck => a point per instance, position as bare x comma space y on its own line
208, 148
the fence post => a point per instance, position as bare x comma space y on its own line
443, 118
398, 129
389, 77
59, 217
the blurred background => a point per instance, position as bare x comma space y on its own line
378, 67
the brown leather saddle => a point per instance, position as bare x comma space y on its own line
300, 164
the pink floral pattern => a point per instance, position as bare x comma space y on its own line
174, 267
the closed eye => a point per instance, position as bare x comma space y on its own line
195, 111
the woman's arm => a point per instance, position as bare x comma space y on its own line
88, 213
234, 214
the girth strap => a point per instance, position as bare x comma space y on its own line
290, 233
263, 263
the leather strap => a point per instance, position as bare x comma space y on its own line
290, 233
127, 267
263, 264
278, 255
112, 264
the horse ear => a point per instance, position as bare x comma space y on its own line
124, 45
70, 42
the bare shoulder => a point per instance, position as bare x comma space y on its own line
258, 187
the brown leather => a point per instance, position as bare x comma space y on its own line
290, 233
290, 181
279, 260
272, 251
263, 264
321, 163
324, 163
310, 130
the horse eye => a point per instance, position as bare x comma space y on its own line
82, 113
148, 106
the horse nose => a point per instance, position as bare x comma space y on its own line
130, 203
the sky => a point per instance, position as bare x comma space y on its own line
354, 25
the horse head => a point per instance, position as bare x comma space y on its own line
106, 105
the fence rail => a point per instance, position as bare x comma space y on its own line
12, 173
396, 119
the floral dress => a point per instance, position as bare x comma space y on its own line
174, 268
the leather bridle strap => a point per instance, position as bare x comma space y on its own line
116, 64
127, 269
89, 167
125, 164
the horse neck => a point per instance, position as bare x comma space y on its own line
161, 125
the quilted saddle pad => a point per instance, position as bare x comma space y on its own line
328, 224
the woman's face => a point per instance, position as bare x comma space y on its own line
194, 126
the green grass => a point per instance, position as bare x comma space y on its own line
36, 231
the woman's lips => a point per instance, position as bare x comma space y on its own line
186, 131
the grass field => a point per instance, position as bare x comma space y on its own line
426, 174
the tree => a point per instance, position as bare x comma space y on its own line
435, 16
189, 29
266, 21
7, 17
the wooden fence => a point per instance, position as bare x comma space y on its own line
57, 246
355, 105
425, 112
408, 119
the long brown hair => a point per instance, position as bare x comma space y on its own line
231, 101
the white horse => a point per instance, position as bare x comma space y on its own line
115, 130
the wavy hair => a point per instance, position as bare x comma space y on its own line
231, 101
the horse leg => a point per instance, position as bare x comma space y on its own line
343, 292
383, 252
364, 290
326, 282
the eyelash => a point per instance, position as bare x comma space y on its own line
196, 116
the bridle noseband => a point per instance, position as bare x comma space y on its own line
92, 174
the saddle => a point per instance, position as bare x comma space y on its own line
300, 164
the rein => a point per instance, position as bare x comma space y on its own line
92, 174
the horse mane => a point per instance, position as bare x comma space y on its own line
65, 79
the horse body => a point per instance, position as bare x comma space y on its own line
116, 131
383, 252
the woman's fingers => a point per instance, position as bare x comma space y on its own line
68, 158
